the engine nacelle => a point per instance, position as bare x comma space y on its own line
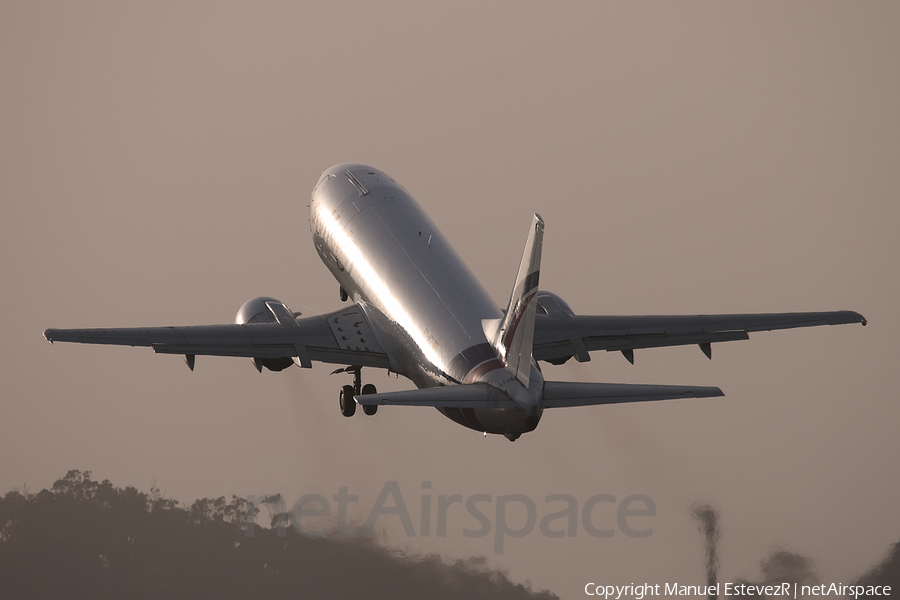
257, 310
550, 304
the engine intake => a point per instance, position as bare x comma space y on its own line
551, 304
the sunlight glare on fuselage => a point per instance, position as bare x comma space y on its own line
366, 274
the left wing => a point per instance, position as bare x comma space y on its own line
559, 336
342, 337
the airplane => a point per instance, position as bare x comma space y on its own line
418, 311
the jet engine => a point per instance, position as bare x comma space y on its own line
257, 310
550, 304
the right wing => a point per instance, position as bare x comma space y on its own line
559, 336
342, 337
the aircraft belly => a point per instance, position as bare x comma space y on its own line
503, 421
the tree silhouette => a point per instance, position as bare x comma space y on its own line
886, 573
88, 539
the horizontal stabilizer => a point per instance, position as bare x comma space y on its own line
469, 395
558, 394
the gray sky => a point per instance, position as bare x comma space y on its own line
686, 157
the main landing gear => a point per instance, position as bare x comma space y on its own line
348, 404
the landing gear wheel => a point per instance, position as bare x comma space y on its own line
348, 404
369, 409
344, 294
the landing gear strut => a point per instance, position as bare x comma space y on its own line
348, 404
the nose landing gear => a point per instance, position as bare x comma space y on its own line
345, 398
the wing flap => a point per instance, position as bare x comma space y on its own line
248, 350
559, 394
635, 342
359, 358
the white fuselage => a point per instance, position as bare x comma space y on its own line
389, 257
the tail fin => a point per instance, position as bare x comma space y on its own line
514, 336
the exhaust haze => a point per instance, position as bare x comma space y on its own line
708, 523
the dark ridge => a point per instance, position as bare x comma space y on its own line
88, 539
887, 573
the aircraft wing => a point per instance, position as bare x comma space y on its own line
342, 337
560, 336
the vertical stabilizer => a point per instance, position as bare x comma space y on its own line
515, 335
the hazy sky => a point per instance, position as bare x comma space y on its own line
689, 157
